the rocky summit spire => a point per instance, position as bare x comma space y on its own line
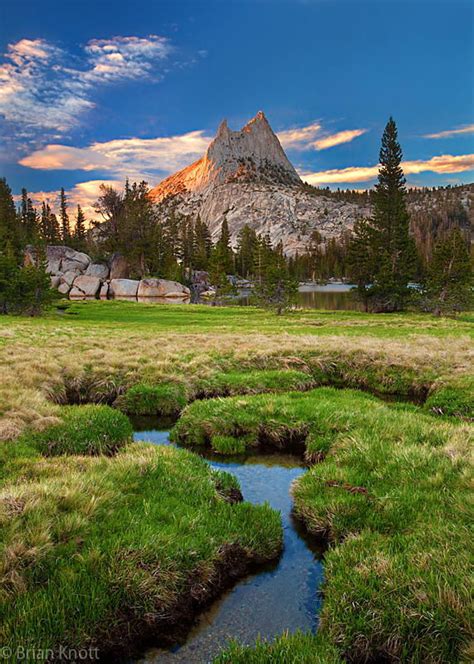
252, 154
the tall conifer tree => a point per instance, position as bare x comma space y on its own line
391, 241
64, 217
382, 254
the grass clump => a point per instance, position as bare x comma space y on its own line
88, 430
227, 445
116, 548
254, 382
295, 648
281, 421
390, 494
168, 398
455, 398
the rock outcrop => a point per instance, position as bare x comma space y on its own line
123, 289
73, 273
161, 288
246, 177
118, 267
85, 288
98, 270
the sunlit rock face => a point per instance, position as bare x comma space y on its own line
246, 177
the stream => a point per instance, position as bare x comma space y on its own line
283, 596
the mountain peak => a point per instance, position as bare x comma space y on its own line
251, 154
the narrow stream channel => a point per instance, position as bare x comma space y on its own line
282, 597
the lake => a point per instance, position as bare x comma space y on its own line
334, 296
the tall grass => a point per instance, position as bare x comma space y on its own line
85, 430
102, 550
389, 493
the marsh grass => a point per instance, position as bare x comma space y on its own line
453, 399
86, 430
389, 493
106, 348
254, 382
100, 550
165, 399
295, 648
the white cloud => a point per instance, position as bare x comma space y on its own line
299, 138
136, 158
313, 137
440, 164
449, 133
339, 138
43, 88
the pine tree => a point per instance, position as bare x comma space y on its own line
29, 219
10, 227
390, 239
221, 263
381, 255
202, 245
263, 256
30, 289
277, 289
361, 259
64, 218
9, 272
223, 249
80, 230
50, 232
450, 277
247, 242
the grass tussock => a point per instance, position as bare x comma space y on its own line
390, 494
85, 430
453, 398
254, 382
165, 399
100, 550
296, 648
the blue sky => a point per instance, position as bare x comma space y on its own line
94, 91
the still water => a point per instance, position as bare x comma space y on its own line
283, 596
332, 297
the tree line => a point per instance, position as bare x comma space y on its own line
382, 254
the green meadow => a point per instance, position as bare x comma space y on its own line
108, 542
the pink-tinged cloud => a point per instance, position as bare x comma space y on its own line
449, 133
299, 138
135, 158
441, 164
64, 157
312, 137
338, 139
84, 193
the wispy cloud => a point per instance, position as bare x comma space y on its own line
136, 158
43, 87
337, 139
299, 138
441, 164
449, 133
314, 137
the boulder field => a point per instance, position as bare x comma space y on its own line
75, 275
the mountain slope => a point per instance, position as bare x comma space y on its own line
246, 177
